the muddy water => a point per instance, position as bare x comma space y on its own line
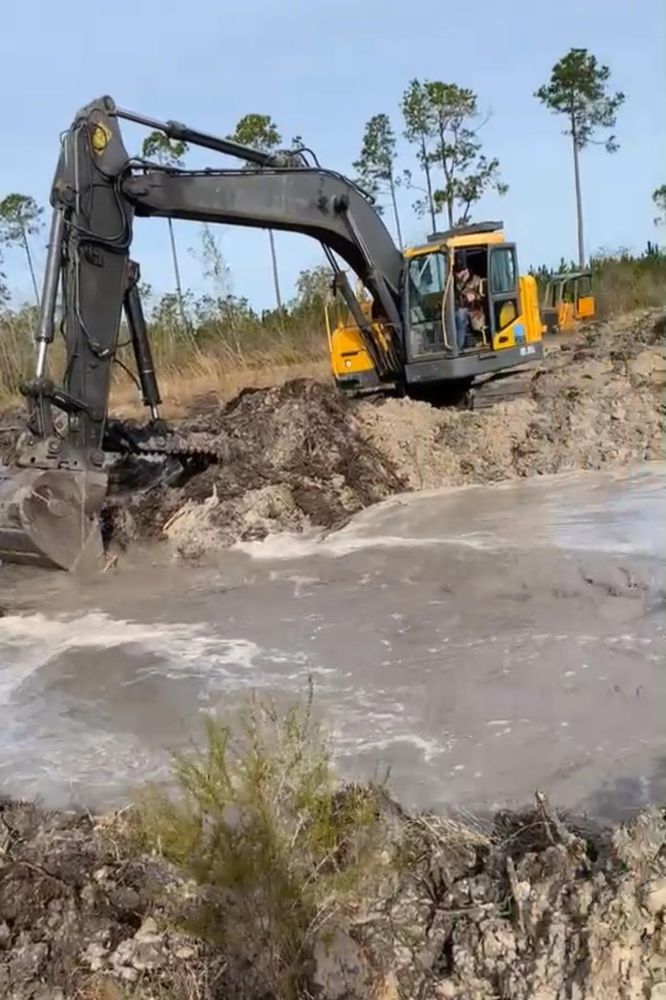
482, 642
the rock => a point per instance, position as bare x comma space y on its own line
128, 974
95, 956
26, 962
147, 931
655, 896
5, 935
144, 952
185, 952
341, 969
445, 990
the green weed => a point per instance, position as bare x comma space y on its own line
260, 820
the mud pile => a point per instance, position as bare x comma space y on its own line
289, 457
532, 907
299, 455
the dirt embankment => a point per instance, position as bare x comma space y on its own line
299, 455
531, 908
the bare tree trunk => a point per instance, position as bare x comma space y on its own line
31, 268
426, 170
395, 211
449, 211
176, 271
579, 202
276, 277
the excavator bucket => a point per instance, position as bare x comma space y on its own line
48, 517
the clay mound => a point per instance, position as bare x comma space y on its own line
288, 457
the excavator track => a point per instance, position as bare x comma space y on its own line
500, 388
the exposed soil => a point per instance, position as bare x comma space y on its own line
533, 907
300, 455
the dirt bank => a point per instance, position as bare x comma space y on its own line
531, 907
299, 455
593, 401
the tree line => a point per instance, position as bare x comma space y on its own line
441, 121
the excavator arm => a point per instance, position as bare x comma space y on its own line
49, 500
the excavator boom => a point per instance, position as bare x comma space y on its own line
51, 494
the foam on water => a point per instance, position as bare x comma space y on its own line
345, 542
609, 512
171, 651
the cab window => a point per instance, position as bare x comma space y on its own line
503, 287
427, 283
427, 276
503, 277
583, 287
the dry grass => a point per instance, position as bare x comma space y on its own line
185, 372
210, 377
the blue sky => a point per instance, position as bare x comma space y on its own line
321, 70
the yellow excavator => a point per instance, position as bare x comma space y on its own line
510, 334
568, 301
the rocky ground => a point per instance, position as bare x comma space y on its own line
299, 455
532, 907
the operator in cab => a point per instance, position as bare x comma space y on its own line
470, 315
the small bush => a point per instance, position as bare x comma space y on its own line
259, 820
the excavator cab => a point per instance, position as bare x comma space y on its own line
507, 330
568, 301
504, 328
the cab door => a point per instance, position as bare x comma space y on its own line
504, 306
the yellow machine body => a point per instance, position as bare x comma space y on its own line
352, 366
519, 323
568, 301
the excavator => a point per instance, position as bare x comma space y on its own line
568, 301
53, 487
512, 329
